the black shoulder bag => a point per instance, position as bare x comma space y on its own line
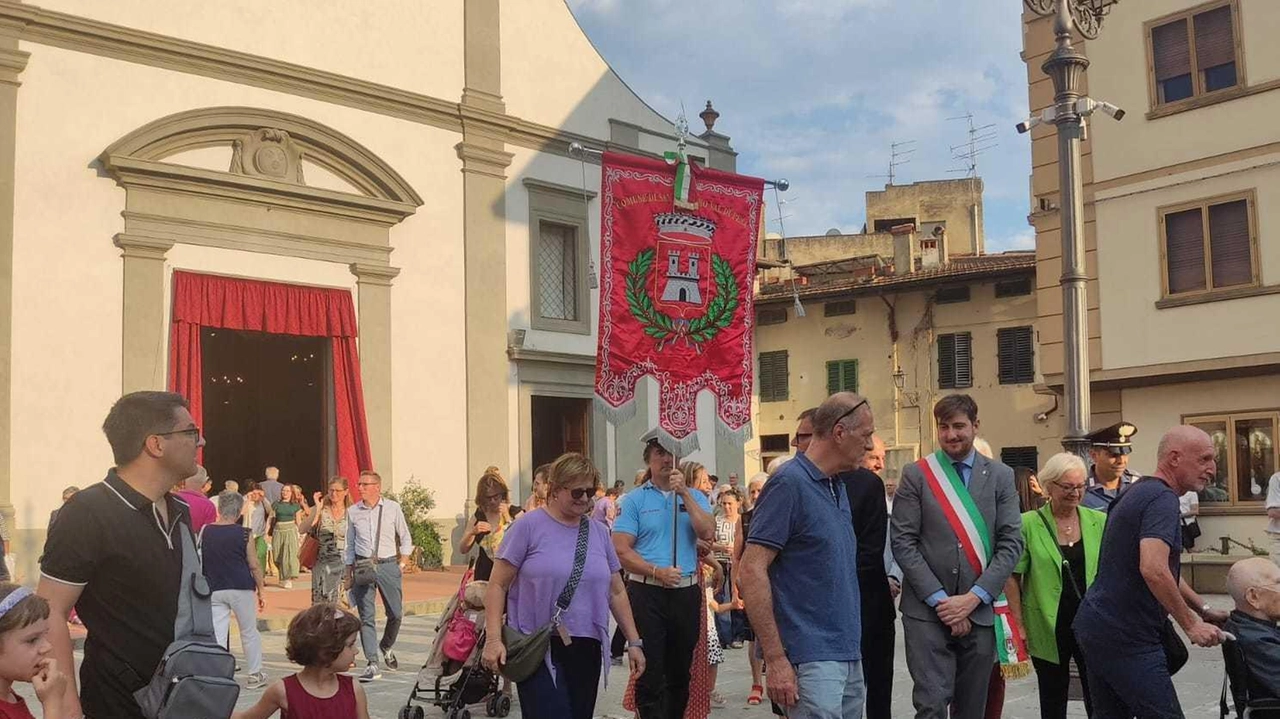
365, 571
525, 652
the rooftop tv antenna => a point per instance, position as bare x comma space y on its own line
899, 155
981, 139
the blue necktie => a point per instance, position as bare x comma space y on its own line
960, 472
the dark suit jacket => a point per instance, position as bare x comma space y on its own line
1259, 641
929, 552
870, 525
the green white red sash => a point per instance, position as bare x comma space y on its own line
975, 541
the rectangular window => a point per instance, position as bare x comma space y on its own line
771, 315
559, 299
1016, 349
1013, 288
557, 271
1245, 448
950, 295
842, 376
955, 361
773, 376
837, 309
1015, 457
1209, 245
1194, 53
775, 443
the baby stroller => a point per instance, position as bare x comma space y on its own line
454, 684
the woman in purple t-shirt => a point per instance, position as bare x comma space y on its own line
532, 568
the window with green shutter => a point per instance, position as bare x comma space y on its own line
773, 376
1016, 349
842, 376
955, 361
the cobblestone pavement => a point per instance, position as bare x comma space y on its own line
1198, 684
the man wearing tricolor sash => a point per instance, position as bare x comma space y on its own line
956, 533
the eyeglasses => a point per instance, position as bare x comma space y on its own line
367, 484
499, 495
850, 411
193, 432
1070, 488
582, 492
800, 437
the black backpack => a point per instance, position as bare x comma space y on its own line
196, 676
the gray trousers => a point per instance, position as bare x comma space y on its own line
388, 585
948, 671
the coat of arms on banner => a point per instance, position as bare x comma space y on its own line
675, 300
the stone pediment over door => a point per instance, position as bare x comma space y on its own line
236, 177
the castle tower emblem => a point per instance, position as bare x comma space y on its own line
684, 244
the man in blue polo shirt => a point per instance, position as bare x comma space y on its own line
656, 535
798, 577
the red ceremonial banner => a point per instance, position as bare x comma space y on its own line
676, 294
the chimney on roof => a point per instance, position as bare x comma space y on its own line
934, 250
904, 248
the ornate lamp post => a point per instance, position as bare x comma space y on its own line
1066, 66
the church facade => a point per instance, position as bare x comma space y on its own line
353, 239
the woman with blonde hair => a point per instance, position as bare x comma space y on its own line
697, 476
1062, 540
329, 526
537, 566
488, 525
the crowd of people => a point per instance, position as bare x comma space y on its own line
995, 571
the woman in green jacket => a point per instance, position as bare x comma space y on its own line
1059, 562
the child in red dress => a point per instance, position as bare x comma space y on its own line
323, 640
24, 649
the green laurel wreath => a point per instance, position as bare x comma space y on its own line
665, 328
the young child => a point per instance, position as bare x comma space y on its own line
712, 573
24, 649
323, 640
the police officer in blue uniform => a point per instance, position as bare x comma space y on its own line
1110, 473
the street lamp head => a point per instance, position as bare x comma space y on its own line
1086, 15
899, 378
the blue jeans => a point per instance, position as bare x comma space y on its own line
1128, 685
829, 690
388, 585
572, 693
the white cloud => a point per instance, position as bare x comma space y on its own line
816, 90
1022, 240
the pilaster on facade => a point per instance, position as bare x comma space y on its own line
142, 333
12, 62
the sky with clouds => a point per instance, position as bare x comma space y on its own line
816, 91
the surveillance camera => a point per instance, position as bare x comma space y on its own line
1028, 124
1115, 112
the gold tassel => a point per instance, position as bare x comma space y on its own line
1018, 670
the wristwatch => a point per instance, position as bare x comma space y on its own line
1205, 608
637, 643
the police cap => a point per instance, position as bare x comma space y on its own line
1115, 438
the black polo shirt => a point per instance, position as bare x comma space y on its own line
111, 540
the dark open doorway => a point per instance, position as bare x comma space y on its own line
560, 424
266, 404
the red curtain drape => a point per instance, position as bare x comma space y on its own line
201, 301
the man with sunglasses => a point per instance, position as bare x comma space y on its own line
797, 575
665, 598
114, 553
377, 530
